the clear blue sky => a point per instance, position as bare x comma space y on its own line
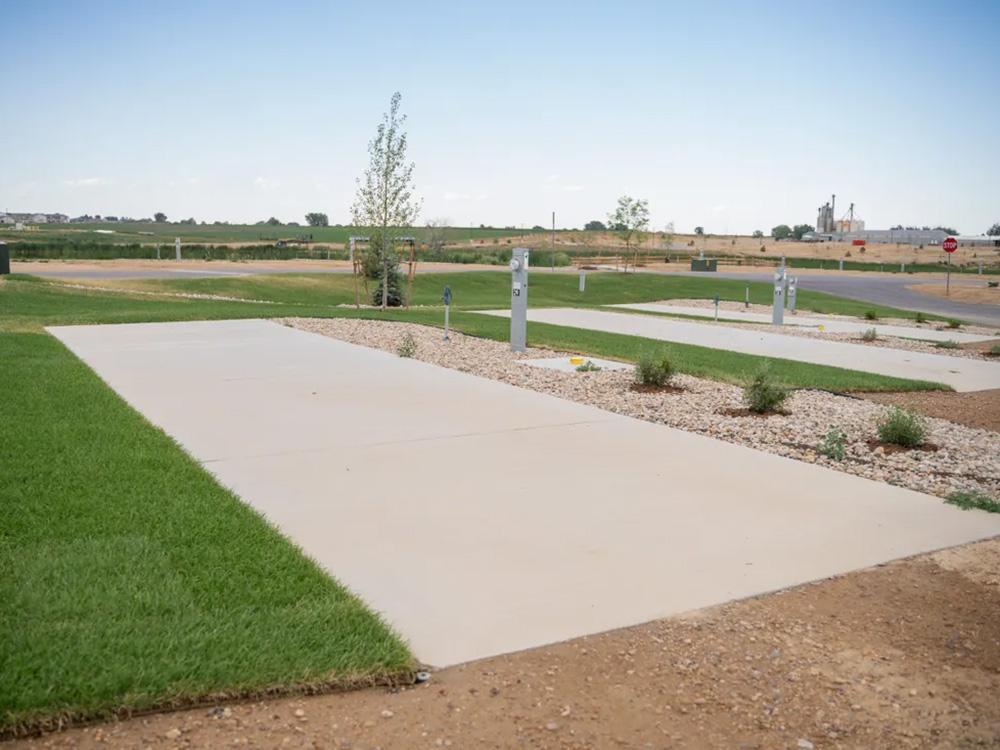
734, 116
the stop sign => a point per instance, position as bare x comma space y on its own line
950, 244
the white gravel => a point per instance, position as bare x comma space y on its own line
967, 459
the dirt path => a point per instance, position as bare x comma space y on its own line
902, 655
975, 409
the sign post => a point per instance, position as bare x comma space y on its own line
519, 299
949, 245
447, 305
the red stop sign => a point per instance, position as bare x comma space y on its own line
950, 244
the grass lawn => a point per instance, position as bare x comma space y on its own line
130, 579
489, 289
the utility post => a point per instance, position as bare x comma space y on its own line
552, 244
792, 284
177, 248
519, 299
778, 311
447, 307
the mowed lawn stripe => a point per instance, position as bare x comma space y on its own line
131, 579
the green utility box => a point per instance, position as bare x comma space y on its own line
4, 259
704, 264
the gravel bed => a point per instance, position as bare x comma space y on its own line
967, 459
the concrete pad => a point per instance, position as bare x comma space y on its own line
563, 364
482, 518
962, 374
805, 321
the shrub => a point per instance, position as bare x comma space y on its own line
869, 335
588, 366
921, 318
902, 427
949, 344
653, 369
952, 323
871, 315
763, 394
973, 499
834, 444
994, 351
407, 347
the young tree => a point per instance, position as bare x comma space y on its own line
436, 234
274, 222
316, 219
993, 231
159, 217
629, 220
699, 231
384, 201
758, 235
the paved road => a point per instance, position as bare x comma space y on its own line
482, 518
961, 373
885, 289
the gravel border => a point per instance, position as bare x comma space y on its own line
968, 459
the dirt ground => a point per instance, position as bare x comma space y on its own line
976, 408
258, 266
979, 293
905, 655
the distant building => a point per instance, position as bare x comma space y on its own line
978, 240
33, 218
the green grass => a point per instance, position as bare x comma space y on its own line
488, 289
129, 578
974, 501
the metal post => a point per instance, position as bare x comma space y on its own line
177, 247
980, 268
4, 259
447, 308
902, 268
157, 251
553, 243
778, 311
350, 252
747, 303
793, 283
841, 264
947, 283
519, 299
716, 308
583, 280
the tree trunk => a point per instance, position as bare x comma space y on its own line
385, 269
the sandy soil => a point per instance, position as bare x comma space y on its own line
905, 655
979, 293
975, 409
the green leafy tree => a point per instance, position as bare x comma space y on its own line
947, 230
993, 231
781, 232
801, 230
629, 221
699, 231
758, 235
273, 222
595, 226
159, 217
384, 201
316, 219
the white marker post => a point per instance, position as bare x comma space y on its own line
778, 311
447, 308
519, 299
177, 247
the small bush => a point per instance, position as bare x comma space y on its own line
871, 315
653, 369
588, 366
952, 323
994, 351
763, 394
869, 335
921, 318
974, 500
949, 344
834, 444
902, 427
407, 347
